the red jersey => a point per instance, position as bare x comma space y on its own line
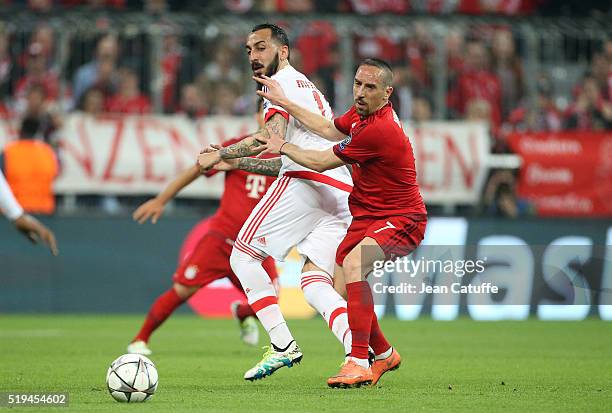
384, 175
242, 192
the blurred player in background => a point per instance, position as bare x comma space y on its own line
209, 260
303, 208
389, 216
26, 224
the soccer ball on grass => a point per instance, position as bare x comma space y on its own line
131, 378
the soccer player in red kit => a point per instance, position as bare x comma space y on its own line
389, 216
209, 260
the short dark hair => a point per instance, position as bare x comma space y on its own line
29, 128
279, 35
381, 64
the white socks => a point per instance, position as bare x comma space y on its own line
261, 295
384, 354
320, 294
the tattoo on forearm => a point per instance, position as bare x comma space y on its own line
245, 147
269, 167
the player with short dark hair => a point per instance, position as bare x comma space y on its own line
389, 216
303, 208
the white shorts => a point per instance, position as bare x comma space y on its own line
297, 212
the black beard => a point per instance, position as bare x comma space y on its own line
273, 68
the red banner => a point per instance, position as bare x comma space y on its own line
566, 173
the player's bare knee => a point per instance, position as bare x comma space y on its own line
352, 268
184, 291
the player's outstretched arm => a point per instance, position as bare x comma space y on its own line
313, 121
317, 160
269, 167
153, 208
249, 146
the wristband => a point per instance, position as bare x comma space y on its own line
280, 150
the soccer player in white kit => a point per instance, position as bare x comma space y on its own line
303, 208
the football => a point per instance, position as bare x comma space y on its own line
132, 378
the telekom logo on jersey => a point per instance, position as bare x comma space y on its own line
255, 185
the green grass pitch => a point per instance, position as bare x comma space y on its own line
447, 366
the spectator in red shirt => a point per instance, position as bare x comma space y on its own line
128, 99
37, 73
477, 81
380, 43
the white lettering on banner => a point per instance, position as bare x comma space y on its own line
451, 160
255, 185
550, 146
564, 203
537, 174
138, 155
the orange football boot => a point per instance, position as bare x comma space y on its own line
351, 375
380, 367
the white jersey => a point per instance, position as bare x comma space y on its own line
299, 89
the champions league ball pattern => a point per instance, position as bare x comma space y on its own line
132, 378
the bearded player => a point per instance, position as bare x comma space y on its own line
209, 260
303, 208
389, 216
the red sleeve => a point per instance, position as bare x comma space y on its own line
343, 123
273, 111
361, 147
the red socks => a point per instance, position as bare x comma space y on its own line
378, 342
360, 308
244, 310
160, 310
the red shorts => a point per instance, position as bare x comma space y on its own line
209, 261
396, 235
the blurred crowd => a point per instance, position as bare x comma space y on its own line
363, 7
485, 76
206, 73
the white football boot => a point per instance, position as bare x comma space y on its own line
273, 360
139, 347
